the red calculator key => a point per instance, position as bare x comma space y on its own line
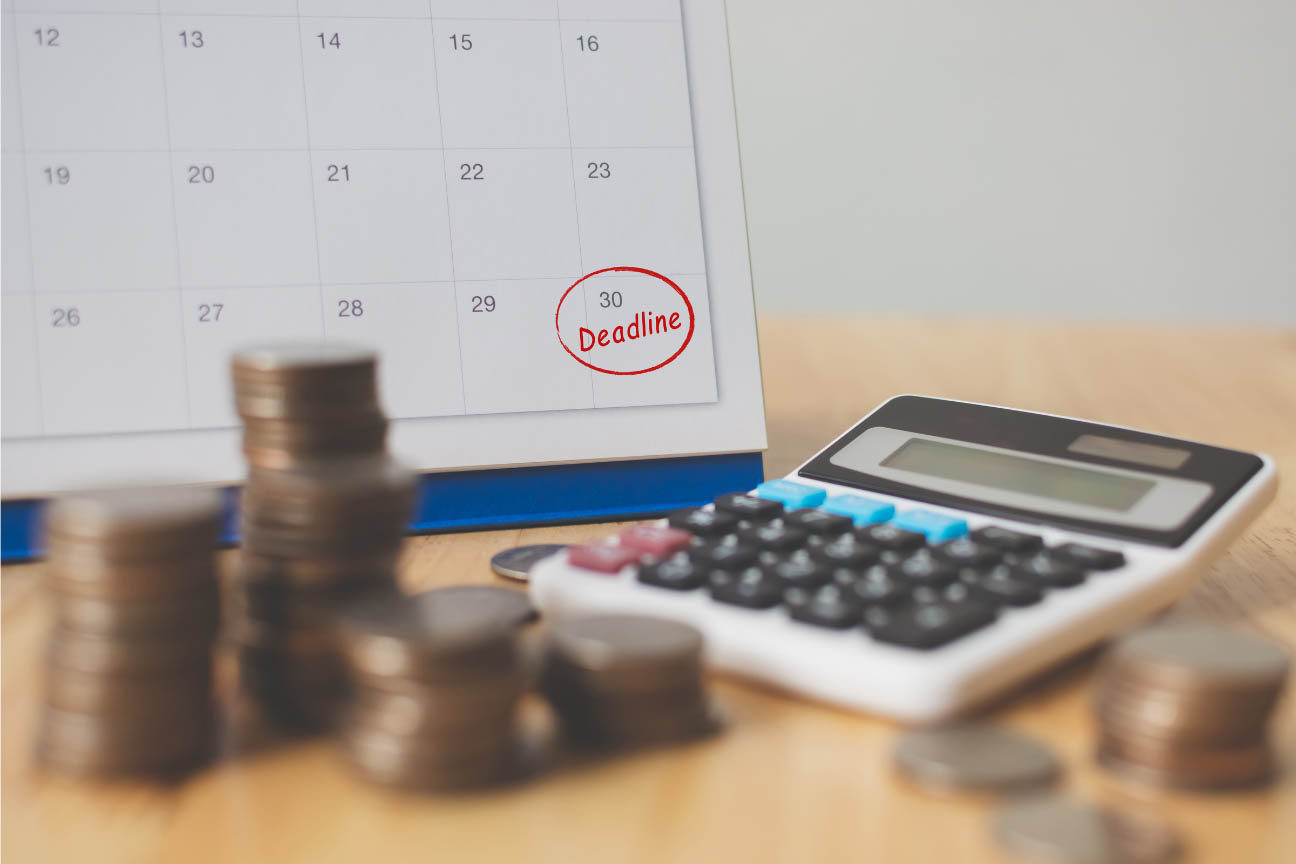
655, 540
602, 557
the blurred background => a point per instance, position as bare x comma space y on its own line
1098, 160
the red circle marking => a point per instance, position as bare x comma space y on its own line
642, 271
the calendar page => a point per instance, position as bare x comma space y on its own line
531, 208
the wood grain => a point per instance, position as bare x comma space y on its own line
788, 781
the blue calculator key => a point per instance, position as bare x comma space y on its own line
864, 511
936, 526
793, 495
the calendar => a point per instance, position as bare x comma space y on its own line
532, 209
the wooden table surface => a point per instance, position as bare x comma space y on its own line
788, 780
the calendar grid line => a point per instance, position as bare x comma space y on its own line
353, 148
485, 280
31, 250
319, 267
518, 20
445, 185
580, 247
175, 221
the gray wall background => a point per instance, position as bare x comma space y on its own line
1094, 159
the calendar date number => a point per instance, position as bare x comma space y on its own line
483, 303
65, 316
209, 313
350, 308
471, 171
47, 37
201, 174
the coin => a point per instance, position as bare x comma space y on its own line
82, 743
126, 695
448, 707
974, 757
1187, 767
403, 762
627, 681
516, 563
376, 568
71, 649
1203, 655
1065, 831
408, 636
194, 612
629, 645
127, 524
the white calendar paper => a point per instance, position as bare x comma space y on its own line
427, 177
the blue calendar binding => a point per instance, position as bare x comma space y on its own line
505, 497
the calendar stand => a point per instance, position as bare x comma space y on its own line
504, 498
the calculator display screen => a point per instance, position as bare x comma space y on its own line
1000, 470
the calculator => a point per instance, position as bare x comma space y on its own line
933, 556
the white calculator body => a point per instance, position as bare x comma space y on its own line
931, 557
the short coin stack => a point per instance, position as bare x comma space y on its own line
437, 679
627, 681
323, 512
128, 686
1188, 705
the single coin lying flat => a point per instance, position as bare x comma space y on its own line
975, 757
516, 563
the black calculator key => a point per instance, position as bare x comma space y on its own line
967, 553
678, 572
727, 554
876, 586
754, 588
1001, 586
1006, 540
928, 625
1088, 557
1043, 569
800, 570
774, 536
846, 551
749, 507
703, 523
829, 606
891, 538
820, 523
924, 568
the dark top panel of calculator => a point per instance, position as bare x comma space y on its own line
1225, 470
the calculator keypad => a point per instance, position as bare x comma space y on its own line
911, 588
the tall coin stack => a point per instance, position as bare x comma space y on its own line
627, 681
128, 685
323, 512
437, 679
1188, 705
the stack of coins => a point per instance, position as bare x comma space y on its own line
437, 680
1188, 705
129, 668
322, 517
627, 681
303, 404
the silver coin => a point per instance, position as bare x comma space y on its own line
517, 563
974, 757
1066, 831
